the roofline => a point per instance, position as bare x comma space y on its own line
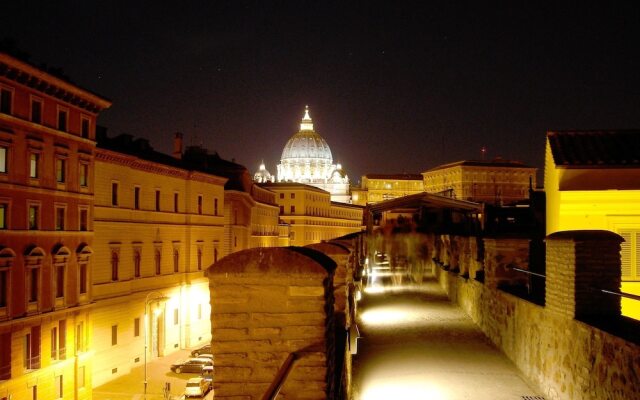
482, 163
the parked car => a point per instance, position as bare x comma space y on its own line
191, 365
197, 387
207, 374
206, 349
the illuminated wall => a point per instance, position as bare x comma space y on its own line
311, 214
157, 229
584, 198
494, 182
378, 187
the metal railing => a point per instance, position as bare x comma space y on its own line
528, 272
619, 294
281, 377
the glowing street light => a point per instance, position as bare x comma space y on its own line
157, 297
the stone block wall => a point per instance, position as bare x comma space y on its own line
265, 304
567, 358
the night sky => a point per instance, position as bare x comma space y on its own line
400, 87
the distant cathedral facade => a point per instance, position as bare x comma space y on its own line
306, 158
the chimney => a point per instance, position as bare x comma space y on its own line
177, 145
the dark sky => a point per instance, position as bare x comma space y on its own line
392, 87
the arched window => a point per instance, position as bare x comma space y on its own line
7, 256
33, 262
84, 252
61, 256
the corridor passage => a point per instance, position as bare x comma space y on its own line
415, 344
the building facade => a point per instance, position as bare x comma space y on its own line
306, 158
592, 181
379, 187
498, 182
157, 228
47, 147
311, 215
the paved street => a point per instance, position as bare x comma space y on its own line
417, 345
131, 387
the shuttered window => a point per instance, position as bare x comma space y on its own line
630, 254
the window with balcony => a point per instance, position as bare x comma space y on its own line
32, 348
36, 111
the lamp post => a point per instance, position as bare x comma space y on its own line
148, 299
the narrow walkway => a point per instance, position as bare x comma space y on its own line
415, 344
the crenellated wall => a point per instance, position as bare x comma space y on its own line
566, 357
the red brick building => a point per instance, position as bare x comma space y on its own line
47, 146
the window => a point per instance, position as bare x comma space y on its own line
60, 218
36, 111
83, 277
281, 209
84, 219
293, 209
114, 335
60, 170
292, 235
5, 356
6, 261
84, 127
34, 392
3, 216
84, 175
32, 348
175, 202
62, 119
293, 195
136, 198
157, 200
158, 260
175, 316
215, 206
199, 258
136, 327
176, 261
114, 193
81, 378
137, 258
80, 337
59, 279
58, 386
630, 254
115, 259
199, 204
54, 343
215, 254
62, 339
33, 165
282, 195
4, 151
5, 100
33, 283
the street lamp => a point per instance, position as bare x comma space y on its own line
148, 299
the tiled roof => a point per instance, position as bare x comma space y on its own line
615, 148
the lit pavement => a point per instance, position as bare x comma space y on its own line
131, 386
415, 344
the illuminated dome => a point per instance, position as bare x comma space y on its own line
306, 144
306, 158
263, 176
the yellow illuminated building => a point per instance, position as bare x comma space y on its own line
311, 215
157, 228
493, 182
592, 181
379, 187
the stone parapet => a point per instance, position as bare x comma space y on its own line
500, 257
